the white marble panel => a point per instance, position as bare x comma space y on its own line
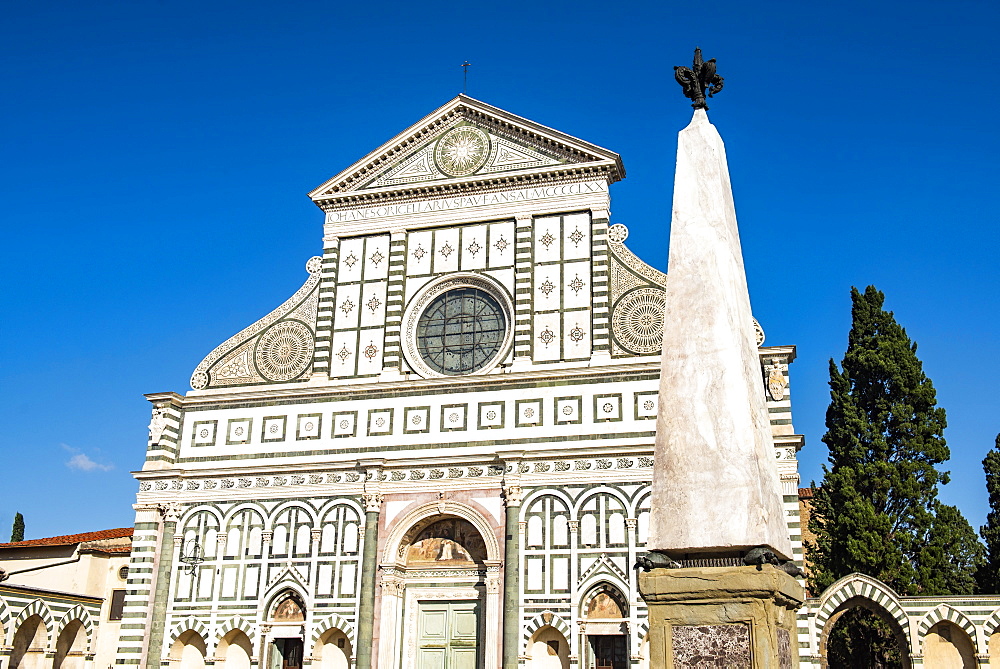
347, 579
608, 408
567, 410
501, 244
616, 528
548, 238
229, 581
239, 432
560, 531
474, 247
576, 236
274, 429
372, 304
491, 414
344, 353
646, 405
347, 307
548, 333
206, 578
446, 250
560, 573
352, 253
343, 424
535, 534
547, 281
588, 530
324, 585
204, 433
371, 345
380, 422
418, 252
529, 413
251, 577
535, 574
376, 262
576, 340
576, 288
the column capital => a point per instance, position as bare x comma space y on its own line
373, 501
171, 512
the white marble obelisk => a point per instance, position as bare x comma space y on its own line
715, 485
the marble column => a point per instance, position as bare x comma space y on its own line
369, 564
511, 573
171, 513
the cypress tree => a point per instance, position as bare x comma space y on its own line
874, 511
989, 574
17, 530
952, 555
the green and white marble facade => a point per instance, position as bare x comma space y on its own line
313, 442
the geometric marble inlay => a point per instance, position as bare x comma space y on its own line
711, 646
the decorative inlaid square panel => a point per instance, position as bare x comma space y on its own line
308, 426
491, 415
607, 408
416, 420
238, 431
723, 646
379, 421
345, 424
568, 410
528, 412
454, 417
203, 433
273, 428
646, 405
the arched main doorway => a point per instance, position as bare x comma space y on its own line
605, 631
286, 626
440, 591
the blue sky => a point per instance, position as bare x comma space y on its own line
156, 156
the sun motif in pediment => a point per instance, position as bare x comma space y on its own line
462, 151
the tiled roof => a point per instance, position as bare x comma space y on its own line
69, 539
805, 493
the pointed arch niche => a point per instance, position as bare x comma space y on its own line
284, 629
604, 627
439, 555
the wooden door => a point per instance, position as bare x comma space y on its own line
448, 635
287, 654
608, 651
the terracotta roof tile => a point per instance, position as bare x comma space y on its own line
69, 539
805, 493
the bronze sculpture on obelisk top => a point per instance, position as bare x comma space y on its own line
718, 579
699, 80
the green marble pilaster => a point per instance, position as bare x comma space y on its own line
512, 567
369, 565
161, 592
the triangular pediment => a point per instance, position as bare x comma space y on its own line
466, 141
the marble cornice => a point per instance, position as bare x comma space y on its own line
435, 386
483, 183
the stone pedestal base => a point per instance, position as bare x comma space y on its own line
726, 617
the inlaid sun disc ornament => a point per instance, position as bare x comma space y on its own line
462, 151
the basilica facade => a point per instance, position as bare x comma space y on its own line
437, 453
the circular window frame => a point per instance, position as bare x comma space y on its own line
426, 295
